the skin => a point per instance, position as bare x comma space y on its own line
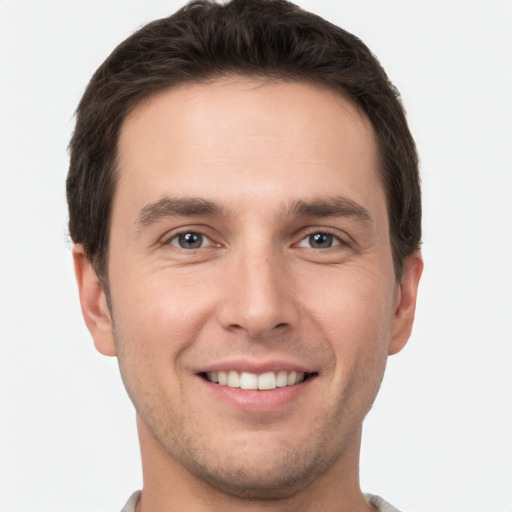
258, 291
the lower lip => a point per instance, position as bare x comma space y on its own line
249, 400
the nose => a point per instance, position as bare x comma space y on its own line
258, 294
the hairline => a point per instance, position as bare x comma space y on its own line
101, 260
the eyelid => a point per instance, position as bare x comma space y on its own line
169, 236
206, 241
341, 238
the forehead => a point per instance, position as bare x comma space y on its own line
232, 138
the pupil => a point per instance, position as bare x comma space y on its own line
190, 240
320, 240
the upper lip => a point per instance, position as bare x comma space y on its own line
257, 367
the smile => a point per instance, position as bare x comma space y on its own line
264, 381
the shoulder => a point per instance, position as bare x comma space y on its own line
380, 504
132, 502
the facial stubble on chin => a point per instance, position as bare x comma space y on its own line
280, 475
283, 473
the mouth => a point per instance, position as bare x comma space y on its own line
252, 381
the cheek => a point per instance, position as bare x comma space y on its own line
161, 307
352, 306
354, 314
156, 320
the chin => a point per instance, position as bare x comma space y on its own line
282, 480
271, 474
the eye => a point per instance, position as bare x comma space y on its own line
319, 240
190, 240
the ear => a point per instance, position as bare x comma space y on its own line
94, 303
405, 304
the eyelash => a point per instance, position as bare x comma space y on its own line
176, 237
335, 239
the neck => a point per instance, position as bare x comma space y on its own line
168, 486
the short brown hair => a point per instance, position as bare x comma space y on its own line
205, 40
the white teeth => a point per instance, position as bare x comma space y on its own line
292, 378
247, 380
282, 379
267, 381
233, 379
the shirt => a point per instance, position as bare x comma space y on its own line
376, 501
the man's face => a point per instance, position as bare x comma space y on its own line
249, 246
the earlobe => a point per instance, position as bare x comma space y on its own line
405, 306
94, 303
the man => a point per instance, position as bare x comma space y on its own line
245, 207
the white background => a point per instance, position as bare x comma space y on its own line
439, 437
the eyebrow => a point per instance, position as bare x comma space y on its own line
337, 206
177, 207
